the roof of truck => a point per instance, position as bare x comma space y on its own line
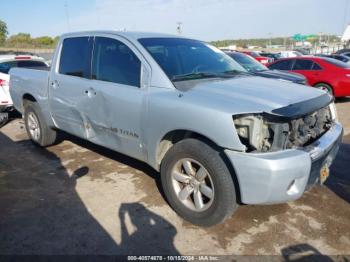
126, 34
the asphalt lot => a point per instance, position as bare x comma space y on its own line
79, 198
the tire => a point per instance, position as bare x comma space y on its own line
43, 135
3, 120
325, 87
205, 162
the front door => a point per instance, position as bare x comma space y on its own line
307, 68
118, 101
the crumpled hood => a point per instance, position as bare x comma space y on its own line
246, 94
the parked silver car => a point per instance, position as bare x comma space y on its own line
218, 135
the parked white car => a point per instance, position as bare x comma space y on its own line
6, 63
286, 54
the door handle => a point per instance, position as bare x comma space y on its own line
55, 84
90, 92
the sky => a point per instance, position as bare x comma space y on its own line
202, 19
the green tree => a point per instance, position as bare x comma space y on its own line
19, 40
43, 41
3, 32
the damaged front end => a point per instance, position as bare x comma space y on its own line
268, 132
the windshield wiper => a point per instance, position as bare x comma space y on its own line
196, 75
237, 72
199, 75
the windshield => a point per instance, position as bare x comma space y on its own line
184, 59
249, 63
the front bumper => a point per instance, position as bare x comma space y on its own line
277, 177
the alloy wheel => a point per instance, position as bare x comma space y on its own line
192, 184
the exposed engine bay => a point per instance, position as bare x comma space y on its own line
265, 133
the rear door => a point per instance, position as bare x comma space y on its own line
307, 68
68, 84
283, 65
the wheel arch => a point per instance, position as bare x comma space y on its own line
43, 105
28, 97
175, 136
325, 82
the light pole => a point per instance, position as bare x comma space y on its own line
67, 14
270, 40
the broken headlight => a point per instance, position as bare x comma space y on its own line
266, 132
255, 132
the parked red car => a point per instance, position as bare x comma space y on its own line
262, 59
325, 73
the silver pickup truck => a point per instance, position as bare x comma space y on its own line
219, 136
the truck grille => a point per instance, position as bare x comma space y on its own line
305, 130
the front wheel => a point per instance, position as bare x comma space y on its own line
197, 183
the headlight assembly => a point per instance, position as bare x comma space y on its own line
267, 132
253, 132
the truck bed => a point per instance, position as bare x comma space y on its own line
32, 81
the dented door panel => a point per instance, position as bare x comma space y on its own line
66, 100
114, 116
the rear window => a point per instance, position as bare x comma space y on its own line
282, 65
336, 62
31, 64
76, 57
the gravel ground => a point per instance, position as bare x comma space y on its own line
79, 198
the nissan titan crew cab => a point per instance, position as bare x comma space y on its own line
218, 136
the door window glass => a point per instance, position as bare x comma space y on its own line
75, 57
302, 64
316, 66
282, 65
113, 61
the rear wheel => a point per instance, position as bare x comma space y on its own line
37, 129
325, 87
197, 183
